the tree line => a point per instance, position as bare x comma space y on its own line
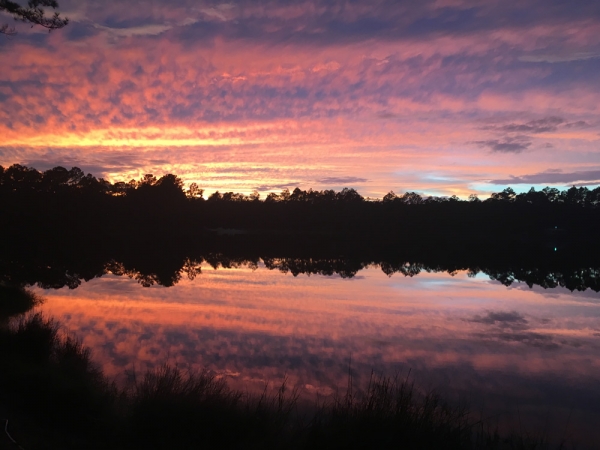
67, 206
59, 180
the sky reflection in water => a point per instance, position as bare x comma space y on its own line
499, 348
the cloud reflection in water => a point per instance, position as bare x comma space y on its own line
500, 348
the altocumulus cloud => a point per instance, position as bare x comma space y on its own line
186, 83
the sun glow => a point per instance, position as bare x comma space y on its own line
140, 137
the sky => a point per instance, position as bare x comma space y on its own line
444, 97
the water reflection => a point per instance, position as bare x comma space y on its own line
534, 350
168, 268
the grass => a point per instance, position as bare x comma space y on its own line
391, 413
15, 300
48, 381
55, 397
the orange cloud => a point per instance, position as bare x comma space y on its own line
401, 111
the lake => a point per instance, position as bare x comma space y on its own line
521, 357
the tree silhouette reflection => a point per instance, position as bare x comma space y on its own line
50, 271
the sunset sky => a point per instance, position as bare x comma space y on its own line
440, 97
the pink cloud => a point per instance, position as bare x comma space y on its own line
366, 107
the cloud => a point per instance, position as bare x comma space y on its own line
501, 318
341, 180
578, 124
273, 187
383, 83
506, 146
551, 177
139, 26
543, 341
586, 184
100, 165
143, 30
511, 142
535, 126
559, 58
510, 326
335, 21
545, 125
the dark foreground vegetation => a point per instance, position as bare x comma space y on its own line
53, 396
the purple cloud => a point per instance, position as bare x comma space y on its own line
506, 146
342, 180
552, 177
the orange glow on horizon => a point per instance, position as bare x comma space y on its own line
439, 113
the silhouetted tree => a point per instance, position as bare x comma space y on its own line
533, 197
349, 195
411, 198
147, 180
33, 13
194, 191
507, 195
255, 196
215, 196
389, 197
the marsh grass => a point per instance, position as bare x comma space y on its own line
169, 407
57, 398
391, 412
16, 300
49, 378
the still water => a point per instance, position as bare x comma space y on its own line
519, 356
